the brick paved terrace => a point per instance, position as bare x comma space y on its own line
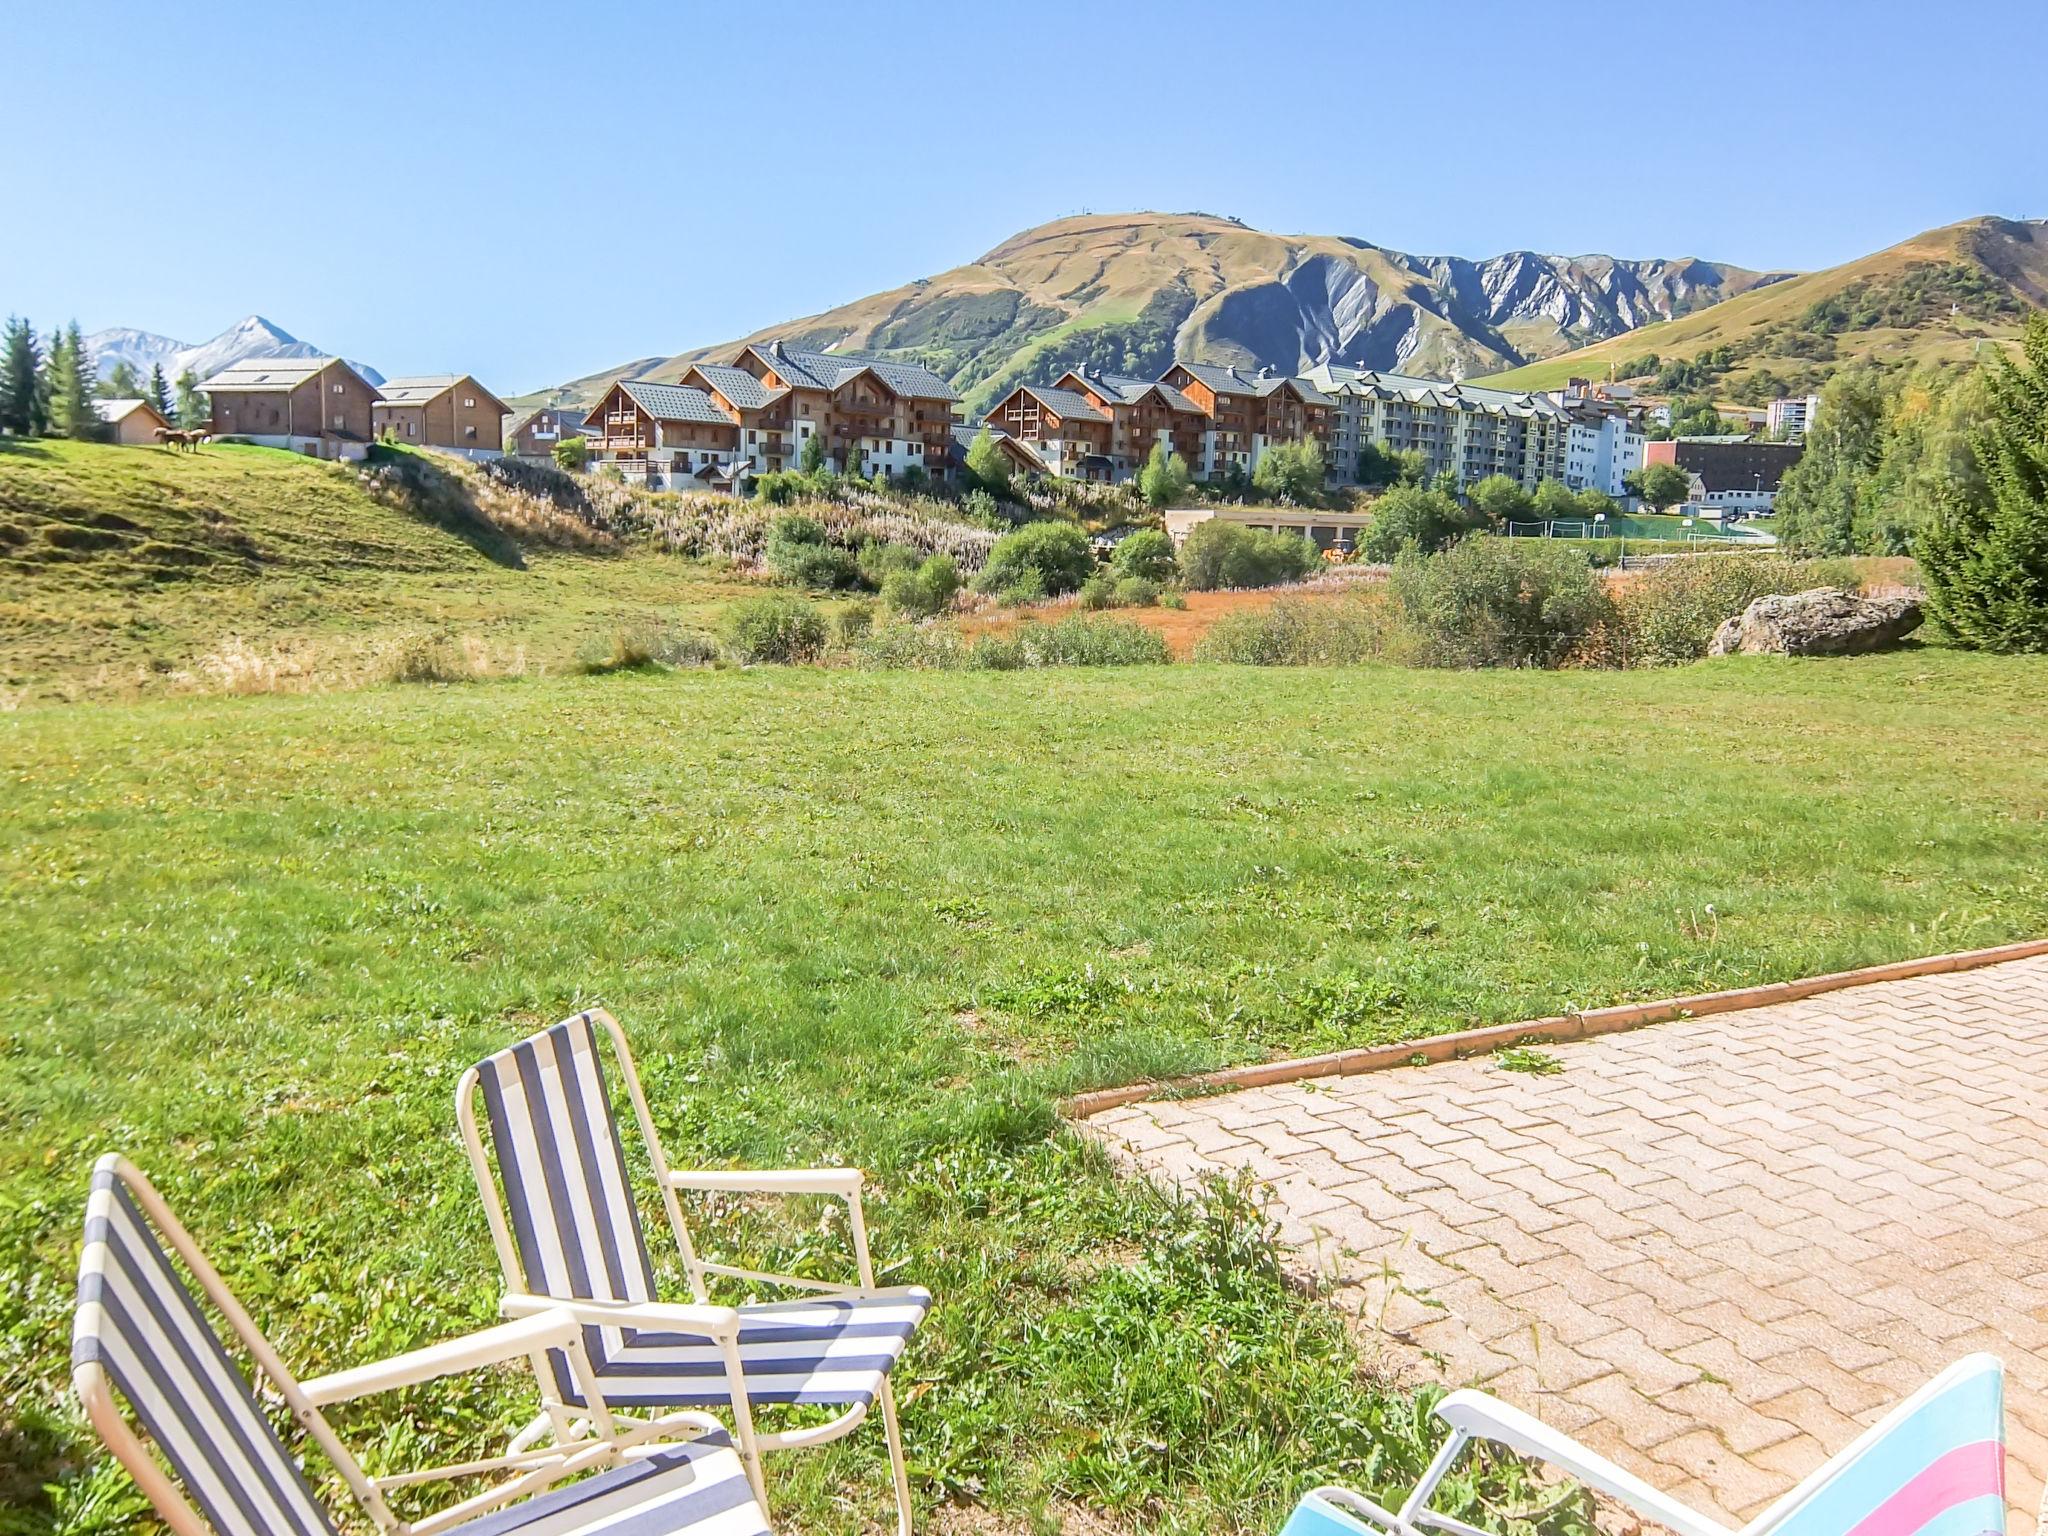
1715, 1249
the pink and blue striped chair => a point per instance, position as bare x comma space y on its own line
1933, 1466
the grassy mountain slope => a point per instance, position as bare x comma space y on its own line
1130, 292
121, 568
1937, 297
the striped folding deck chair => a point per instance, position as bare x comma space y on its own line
219, 1467
1933, 1466
558, 1196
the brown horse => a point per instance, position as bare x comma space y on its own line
177, 437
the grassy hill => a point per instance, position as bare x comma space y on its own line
136, 569
1939, 297
1129, 292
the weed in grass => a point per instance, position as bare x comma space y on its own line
1526, 1058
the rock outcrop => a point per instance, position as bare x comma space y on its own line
1823, 622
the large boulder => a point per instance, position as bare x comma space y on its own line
1824, 622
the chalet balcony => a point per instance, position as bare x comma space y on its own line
864, 407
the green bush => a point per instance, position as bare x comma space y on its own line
773, 629
632, 646
1498, 603
1054, 552
1148, 553
1226, 554
1098, 591
852, 624
797, 552
1412, 514
1079, 642
1173, 600
1136, 592
879, 561
1669, 613
1073, 642
923, 592
1299, 633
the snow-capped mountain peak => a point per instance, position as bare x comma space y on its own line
248, 338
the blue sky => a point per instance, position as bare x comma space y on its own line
535, 192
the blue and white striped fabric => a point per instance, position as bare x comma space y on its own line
699, 1488
578, 1235
138, 1323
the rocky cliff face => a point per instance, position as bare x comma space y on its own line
1130, 292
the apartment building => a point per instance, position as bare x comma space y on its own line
1142, 413
314, 405
1463, 430
536, 434
725, 423
450, 411
1791, 419
1067, 433
1602, 446
1249, 413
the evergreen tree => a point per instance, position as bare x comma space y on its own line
1985, 557
811, 457
193, 408
70, 390
21, 410
159, 395
121, 383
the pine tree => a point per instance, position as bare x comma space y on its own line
159, 395
121, 383
1985, 556
69, 372
20, 380
194, 410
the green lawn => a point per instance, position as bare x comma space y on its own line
886, 919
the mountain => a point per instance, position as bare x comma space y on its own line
253, 337
1938, 297
1129, 292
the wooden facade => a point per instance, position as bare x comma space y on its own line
322, 406
455, 413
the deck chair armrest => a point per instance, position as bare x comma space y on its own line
1485, 1417
549, 1329
843, 1182
711, 1322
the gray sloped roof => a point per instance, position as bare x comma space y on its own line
828, 370
673, 402
111, 411
1125, 390
1066, 404
737, 385
270, 373
1225, 381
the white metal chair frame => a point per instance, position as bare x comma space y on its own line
1474, 1415
842, 1183
611, 1438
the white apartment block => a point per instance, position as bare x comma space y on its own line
1601, 447
1466, 430
1792, 418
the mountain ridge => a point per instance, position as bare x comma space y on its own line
250, 337
1938, 296
1129, 292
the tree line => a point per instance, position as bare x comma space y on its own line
47, 387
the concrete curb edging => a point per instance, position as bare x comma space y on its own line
1569, 1026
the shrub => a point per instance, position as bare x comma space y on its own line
982, 510
923, 592
1147, 553
1173, 600
1410, 514
1079, 642
1165, 478
1098, 591
1300, 633
1291, 472
1056, 553
644, 644
878, 561
1219, 553
1136, 592
1498, 603
773, 629
1500, 499
572, 453
897, 646
428, 659
1669, 614
853, 623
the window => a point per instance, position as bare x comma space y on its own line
337, 389
340, 421
471, 405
